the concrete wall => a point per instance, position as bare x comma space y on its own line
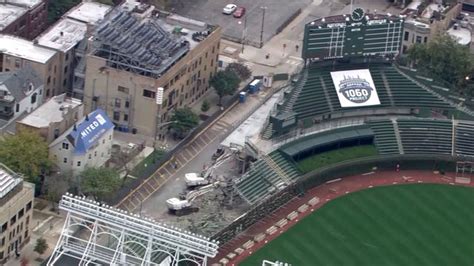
181, 84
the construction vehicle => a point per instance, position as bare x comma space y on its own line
183, 205
194, 180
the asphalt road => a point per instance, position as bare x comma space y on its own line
210, 11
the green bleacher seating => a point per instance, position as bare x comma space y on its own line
426, 136
385, 139
464, 139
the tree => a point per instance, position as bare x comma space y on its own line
41, 246
56, 185
205, 106
99, 182
225, 83
240, 69
184, 120
443, 58
25, 153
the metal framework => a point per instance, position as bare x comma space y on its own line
94, 233
464, 168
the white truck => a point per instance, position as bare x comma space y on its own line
194, 180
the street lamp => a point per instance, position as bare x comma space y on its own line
244, 32
263, 8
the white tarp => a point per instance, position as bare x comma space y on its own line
355, 88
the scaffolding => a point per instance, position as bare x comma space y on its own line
137, 45
94, 233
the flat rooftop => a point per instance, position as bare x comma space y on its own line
50, 111
28, 3
25, 49
10, 13
89, 12
462, 35
64, 35
7, 181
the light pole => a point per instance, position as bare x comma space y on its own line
244, 32
263, 22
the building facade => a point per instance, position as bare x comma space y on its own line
21, 92
17, 53
182, 59
86, 144
23, 18
423, 23
53, 118
16, 210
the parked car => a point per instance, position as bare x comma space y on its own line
239, 12
229, 9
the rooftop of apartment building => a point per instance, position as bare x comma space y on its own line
11, 10
18, 47
88, 12
51, 111
8, 180
461, 34
424, 11
140, 39
64, 35
9, 13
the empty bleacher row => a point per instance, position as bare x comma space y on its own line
318, 95
385, 139
261, 180
464, 136
426, 136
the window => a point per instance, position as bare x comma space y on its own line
125, 117
65, 145
65, 69
117, 116
28, 207
149, 93
65, 160
200, 59
127, 104
33, 97
17, 63
117, 103
213, 49
27, 220
95, 154
206, 54
2, 243
67, 56
64, 82
418, 39
407, 35
425, 40
4, 227
78, 163
21, 213
56, 133
13, 220
90, 156
17, 108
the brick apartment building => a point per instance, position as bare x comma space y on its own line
23, 18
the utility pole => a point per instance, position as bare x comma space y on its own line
263, 23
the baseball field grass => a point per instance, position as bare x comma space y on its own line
416, 224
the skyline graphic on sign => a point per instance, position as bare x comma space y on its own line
355, 88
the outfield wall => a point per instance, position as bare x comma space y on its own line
322, 175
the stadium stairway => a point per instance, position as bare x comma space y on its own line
396, 130
288, 105
269, 174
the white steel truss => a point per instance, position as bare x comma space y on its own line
94, 233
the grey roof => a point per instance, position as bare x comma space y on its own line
17, 82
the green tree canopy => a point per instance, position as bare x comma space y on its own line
25, 153
225, 83
240, 69
99, 182
41, 246
184, 120
443, 58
